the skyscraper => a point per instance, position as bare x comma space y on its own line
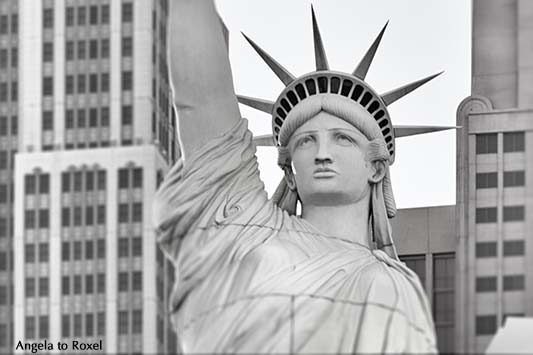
9, 83
96, 134
495, 175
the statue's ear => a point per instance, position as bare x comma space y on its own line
378, 169
289, 178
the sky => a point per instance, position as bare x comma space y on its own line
423, 37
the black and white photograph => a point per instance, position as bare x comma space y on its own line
266, 177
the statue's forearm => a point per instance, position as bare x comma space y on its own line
201, 73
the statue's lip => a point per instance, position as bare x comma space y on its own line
324, 172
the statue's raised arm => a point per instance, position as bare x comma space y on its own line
201, 73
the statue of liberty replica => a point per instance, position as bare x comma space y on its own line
252, 276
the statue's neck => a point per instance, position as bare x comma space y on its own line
349, 222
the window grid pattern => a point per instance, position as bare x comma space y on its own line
87, 77
83, 251
9, 94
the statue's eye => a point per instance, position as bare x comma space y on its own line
305, 141
343, 139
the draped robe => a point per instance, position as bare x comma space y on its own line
250, 278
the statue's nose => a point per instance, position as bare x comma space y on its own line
323, 154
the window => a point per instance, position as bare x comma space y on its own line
100, 283
89, 216
81, 49
137, 281
43, 327
513, 213
89, 282
137, 212
69, 50
69, 84
123, 247
65, 325
29, 219
69, 119
14, 91
136, 246
105, 14
3, 24
77, 181
136, 321
486, 180
93, 83
486, 325
93, 15
127, 12
101, 323
82, 83
104, 82
486, 284
89, 250
513, 247
127, 80
48, 120
3, 295
122, 281
65, 216
104, 50
513, 142
69, 16
127, 115
14, 57
48, 51
48, 18
3, 125
3, 58
43, 218
14, 23
29, 184
48, 86
77, 325
514, 178
82, 15
77, 250
123, 179
485, 249
65, 285
29, 252
123, 322
43, 286
486, 143
30, 287
127, 46
513, 282
3, 92
101, 214
65, 251
3, 159
104, 116
89, 325
3, 193
77, 284
486, 215
3, 261
417, 263
43, 252
123, 213
77, 216
101, 248
101, 179
93, 48
29, 330
137, 177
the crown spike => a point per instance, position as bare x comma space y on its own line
405, 131
364, 64
277, 68
395, 94
259, 104
320, 54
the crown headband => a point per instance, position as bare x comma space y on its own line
324, 80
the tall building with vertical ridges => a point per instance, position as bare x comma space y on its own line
495, 175
96, 133
9, 124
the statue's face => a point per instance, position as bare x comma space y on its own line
329, 161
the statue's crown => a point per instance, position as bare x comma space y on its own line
324, 80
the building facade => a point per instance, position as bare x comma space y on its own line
425, 241
495, 175
9, 83
96, 133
